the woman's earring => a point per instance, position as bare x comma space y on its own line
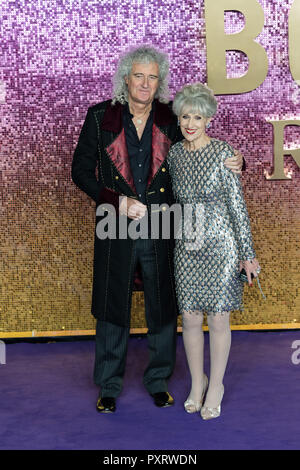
208, 125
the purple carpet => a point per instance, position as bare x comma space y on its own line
48, 399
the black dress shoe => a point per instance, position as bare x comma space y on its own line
162, 399
106, 405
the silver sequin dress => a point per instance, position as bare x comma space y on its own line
214, 231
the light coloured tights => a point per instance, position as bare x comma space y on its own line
219, 345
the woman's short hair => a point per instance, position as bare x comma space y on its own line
195, 98
141, 55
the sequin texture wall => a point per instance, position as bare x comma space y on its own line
57, 58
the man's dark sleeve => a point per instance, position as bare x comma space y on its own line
85, 159
85, 163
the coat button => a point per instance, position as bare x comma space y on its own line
162, 190
163, 169
116, 177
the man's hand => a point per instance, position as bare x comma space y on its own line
132, 208
235, 163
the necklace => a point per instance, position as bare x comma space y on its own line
140, 119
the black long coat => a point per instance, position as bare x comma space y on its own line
102, 146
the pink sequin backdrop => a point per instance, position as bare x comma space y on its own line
57, 58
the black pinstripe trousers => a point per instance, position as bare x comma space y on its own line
112, 340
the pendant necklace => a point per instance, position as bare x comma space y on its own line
139, 120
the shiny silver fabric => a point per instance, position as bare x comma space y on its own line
218, 234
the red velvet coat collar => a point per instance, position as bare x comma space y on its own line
117, 150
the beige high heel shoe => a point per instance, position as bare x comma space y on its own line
190, 405
210, 413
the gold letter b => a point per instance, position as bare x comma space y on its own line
217, 43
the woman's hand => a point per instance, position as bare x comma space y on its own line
251, 266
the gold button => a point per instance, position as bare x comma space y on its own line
163, 169
162, 190
116, 177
